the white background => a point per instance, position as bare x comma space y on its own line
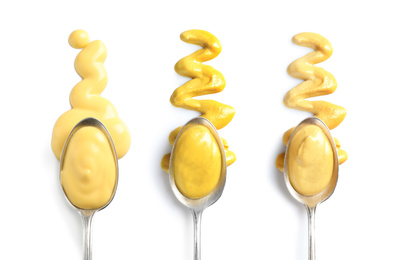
256, 217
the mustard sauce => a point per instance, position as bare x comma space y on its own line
317, 82
85, 183
89, 175
310, 161
197, 162
205, 80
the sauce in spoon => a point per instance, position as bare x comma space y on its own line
197, 162
311, 161
89, 175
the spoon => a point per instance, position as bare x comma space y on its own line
87, 214
197, 206
311, 202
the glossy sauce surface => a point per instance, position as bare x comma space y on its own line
86, 102
317, 82
205, 80
310, 163
89, 174
197, 162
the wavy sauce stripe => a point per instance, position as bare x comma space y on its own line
318, 82
85, 97
205, 80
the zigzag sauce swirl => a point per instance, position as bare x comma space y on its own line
317, 82
206, 80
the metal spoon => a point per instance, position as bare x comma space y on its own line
87, 214
197, 206
311, 202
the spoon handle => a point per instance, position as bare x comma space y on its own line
197, 216
311, 231
87, 217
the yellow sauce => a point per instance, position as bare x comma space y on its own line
317, 82
86, 102
89, 174
205, 80
197, 162
310, 161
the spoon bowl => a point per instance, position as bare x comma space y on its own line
87, 214
197, 206
202, 203
314, 200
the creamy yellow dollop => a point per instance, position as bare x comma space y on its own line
196, 162
89, 174
310, 163
205, 80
